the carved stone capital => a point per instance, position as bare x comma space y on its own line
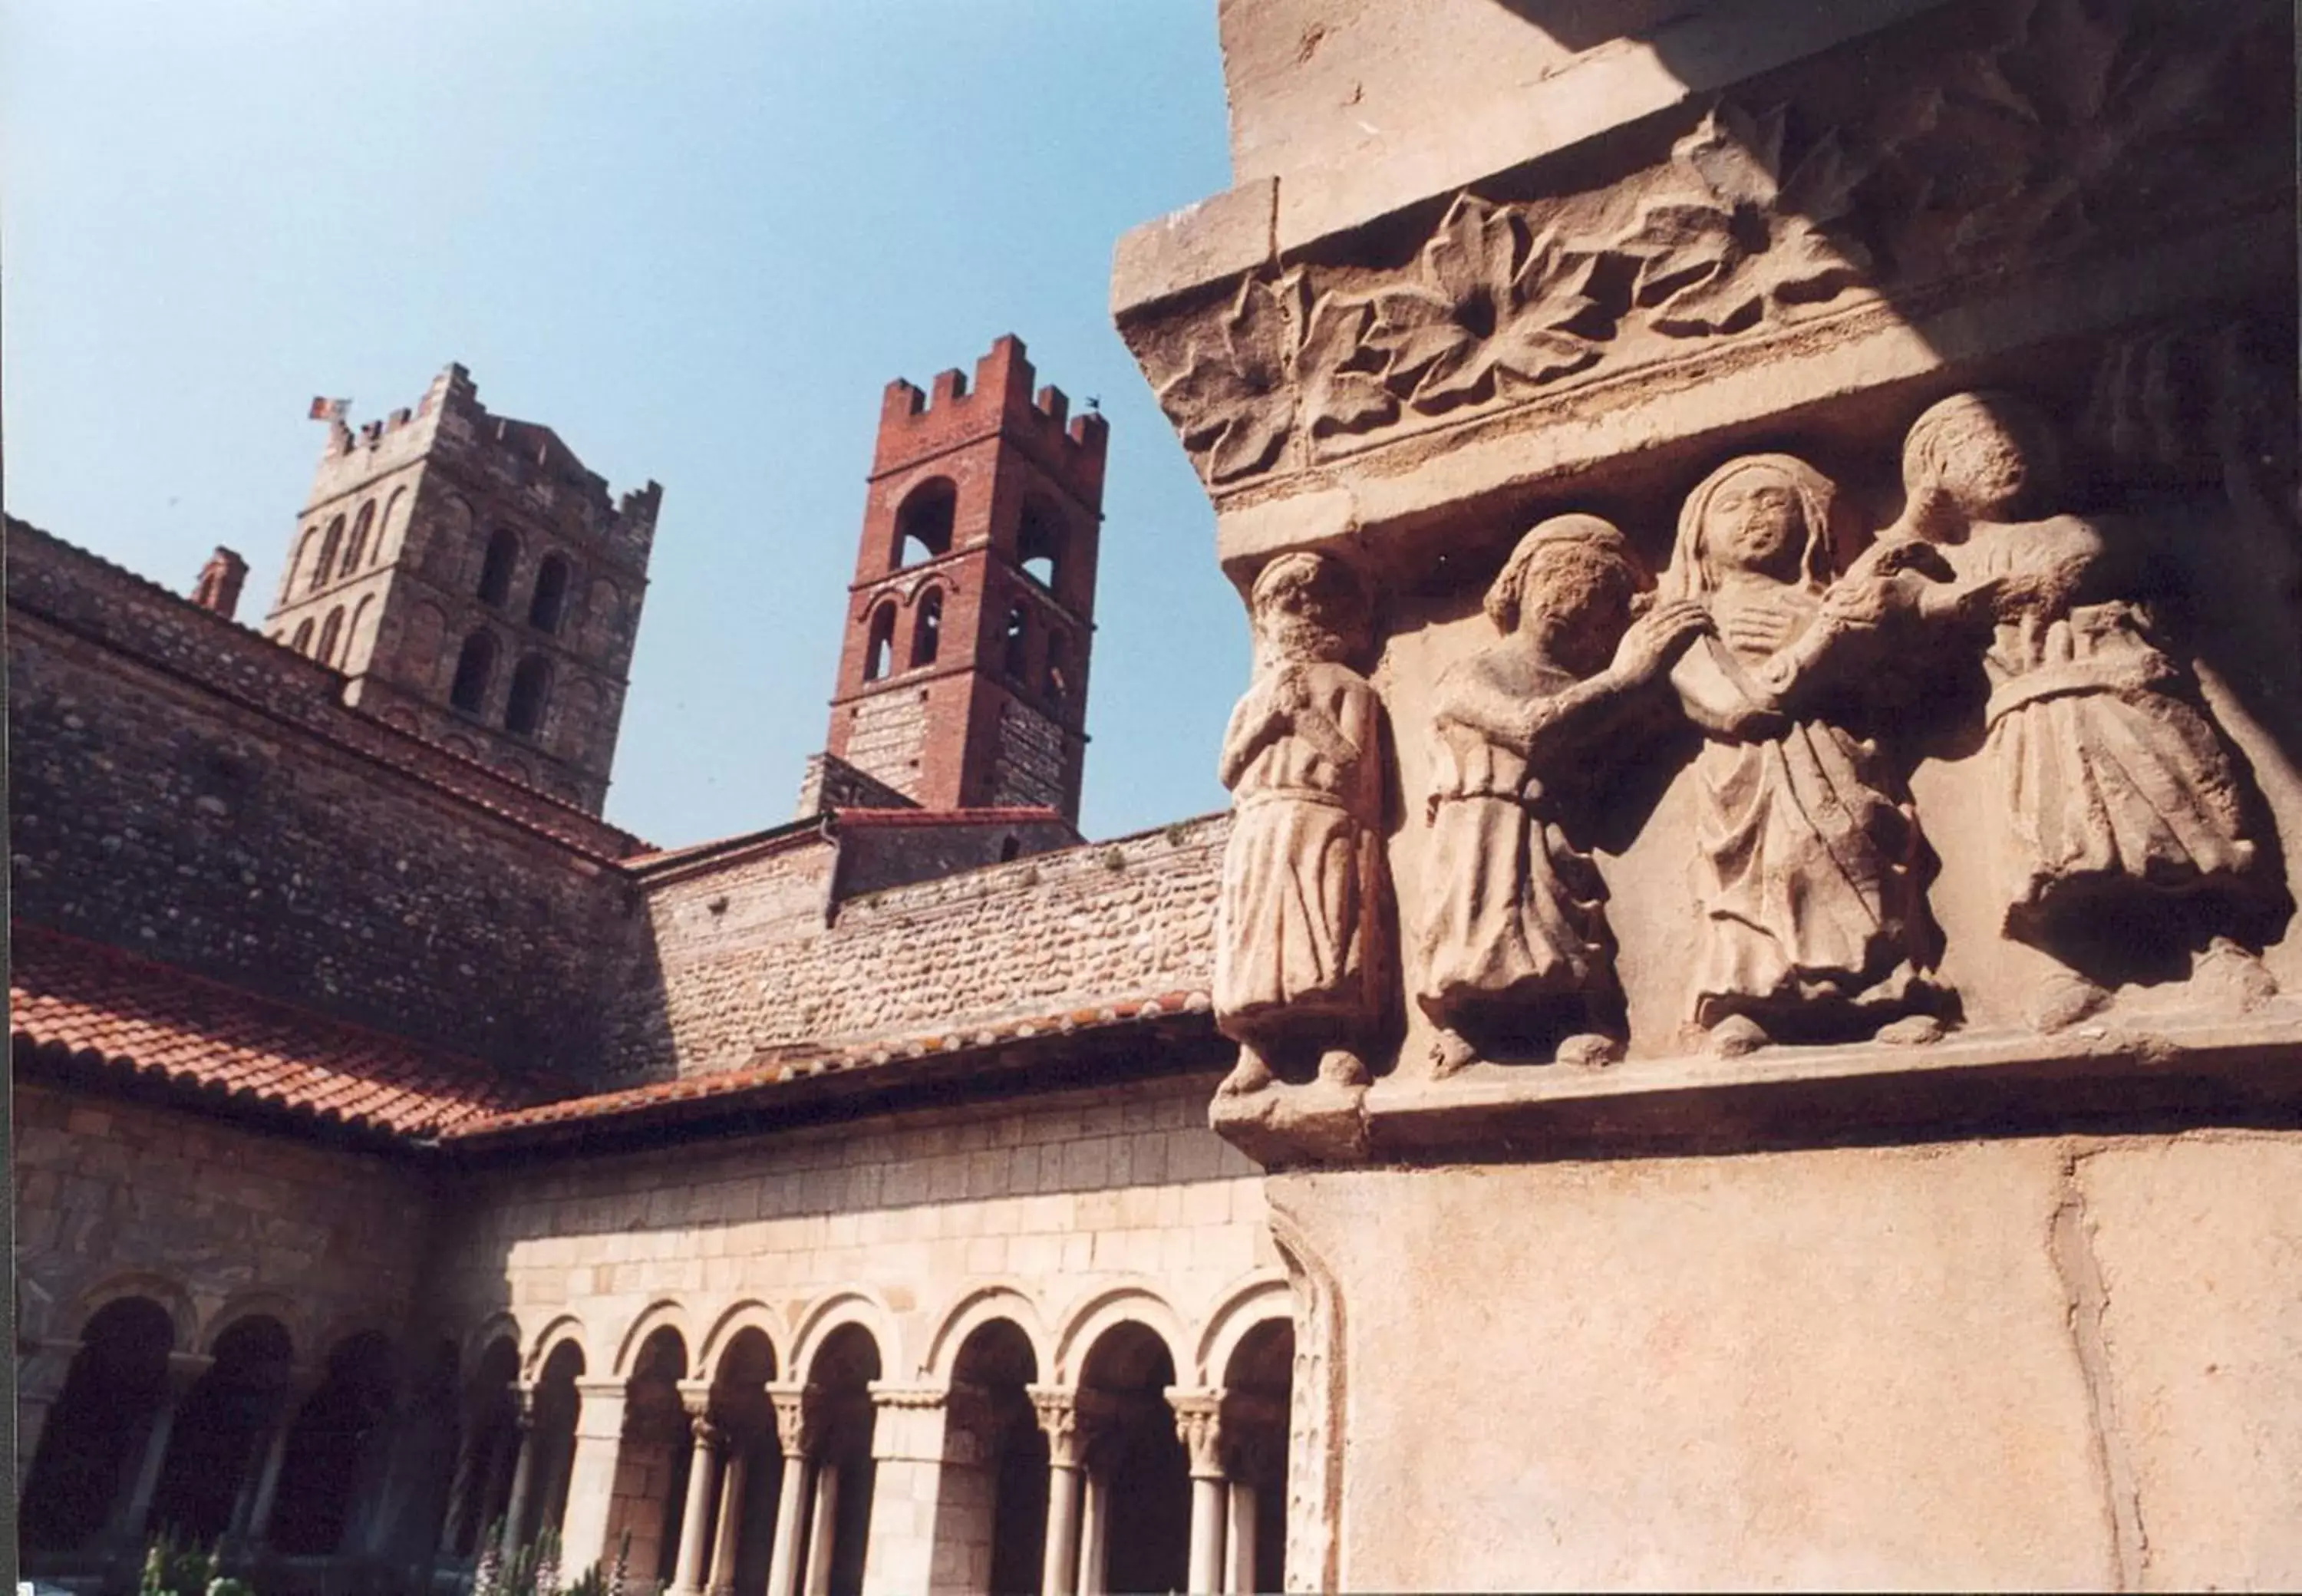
1198, 1424
1057, 1407
797, 1429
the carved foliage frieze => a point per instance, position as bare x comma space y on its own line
2076, 125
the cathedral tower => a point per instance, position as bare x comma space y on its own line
962, 682
476, 585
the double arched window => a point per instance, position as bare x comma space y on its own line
476, 668
328, 546
926, 628
496, 571
548, 602
879, 642
356, 550
531, 687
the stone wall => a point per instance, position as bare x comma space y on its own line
206, 1217
2050, 1363
752, 953
1055, 1203
184, 789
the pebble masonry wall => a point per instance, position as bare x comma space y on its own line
110, 1191
1060, 1200
1084, 927
246, 843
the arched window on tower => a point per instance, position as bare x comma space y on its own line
476, 665
881, 641
495, 574
302, 564
926, 628
1058, 680
356, 550
303, 640
328, 545
1016, 656
331, 633
530, 687
550, 600
1039, 546
923, 526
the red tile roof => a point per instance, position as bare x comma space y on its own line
728, 1086
84, 1005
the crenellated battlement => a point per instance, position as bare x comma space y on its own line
955, 410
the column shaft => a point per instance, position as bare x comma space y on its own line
1239, 1540
791, 1517
1059, 1564
729, 1542
823, 1530
523, 1472
694, 1519
1207, 1535
1094, 1523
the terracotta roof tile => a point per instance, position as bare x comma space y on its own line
102, 1008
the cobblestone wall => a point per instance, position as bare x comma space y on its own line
754, 953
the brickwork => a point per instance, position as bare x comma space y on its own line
205, 1217
974, 590
181, 788
831, 782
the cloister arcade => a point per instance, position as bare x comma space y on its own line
1114, 1446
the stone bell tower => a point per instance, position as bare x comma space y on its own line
476, 584
962, 681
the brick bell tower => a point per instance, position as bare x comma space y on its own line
962, 681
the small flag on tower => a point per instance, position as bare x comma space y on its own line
328, 409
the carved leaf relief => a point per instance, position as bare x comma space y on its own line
1233, 402
1485, 306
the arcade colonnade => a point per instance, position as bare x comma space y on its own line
1129, 1448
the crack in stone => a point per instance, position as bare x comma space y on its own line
2086, 1297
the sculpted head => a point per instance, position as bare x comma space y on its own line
1984, 453
1569, 588
1308, 607
1765, 516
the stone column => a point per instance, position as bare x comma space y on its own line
251, 1516
184, 1372
695, 1516
470, 1457
1198, 1423
1058, 1411
907, 1445
728, 1543
1095, 1523
592, 1475
792, 1435
523, 1470
1238, 1540
822, 1529
42, 1368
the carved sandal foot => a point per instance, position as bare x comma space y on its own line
1449, 1052
2230, 977
2063, 999
1339, 1066
1912, 1030
1735, 1036
1250, 1075
1589, 1050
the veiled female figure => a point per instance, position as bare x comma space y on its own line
1299, 928
1809, 858
1513, 935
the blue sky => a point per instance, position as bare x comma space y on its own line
697, 239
